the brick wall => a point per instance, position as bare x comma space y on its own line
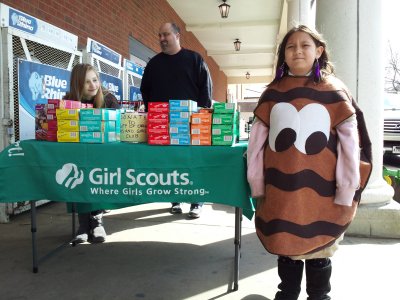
112, 22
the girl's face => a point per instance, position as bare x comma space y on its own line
91, 86
301, 52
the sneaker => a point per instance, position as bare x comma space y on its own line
195, 211
80, 238
176, 208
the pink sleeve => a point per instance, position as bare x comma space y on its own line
255, 159
348, 164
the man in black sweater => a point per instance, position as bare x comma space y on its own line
176, 73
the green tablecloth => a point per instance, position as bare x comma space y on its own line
122, 174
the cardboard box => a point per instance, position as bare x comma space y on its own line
200, 129
182, 128
206, 110
158, 139
158, 107
201, 118
64, 104
98, 114
200, 140
67, 114
86, 105
68, 136
88, 125
224, 119
51, 136
41, 124
179, 117
67, 125
155, 128
97, 137
223, 140
224, 108
180, 139
159, 118
223, 130
183, 105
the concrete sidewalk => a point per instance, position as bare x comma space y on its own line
151, 254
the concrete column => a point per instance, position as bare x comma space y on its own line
300, 12
353, 30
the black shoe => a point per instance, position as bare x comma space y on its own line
176, 208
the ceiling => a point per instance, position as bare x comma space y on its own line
258, 24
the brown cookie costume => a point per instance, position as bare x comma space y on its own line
298, 215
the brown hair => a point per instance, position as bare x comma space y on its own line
78, 76
325, 65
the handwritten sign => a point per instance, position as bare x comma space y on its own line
133, 127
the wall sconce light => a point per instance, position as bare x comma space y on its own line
237, 44
224, 9
247, 75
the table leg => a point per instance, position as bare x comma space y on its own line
238, 237
73, 211
35, 267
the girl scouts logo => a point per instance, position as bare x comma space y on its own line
69, 176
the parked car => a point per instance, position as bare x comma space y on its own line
391, 128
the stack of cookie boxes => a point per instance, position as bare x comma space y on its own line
180, 112
99, 125
224, 124
158, 123
67, 121
201, 127
46, 124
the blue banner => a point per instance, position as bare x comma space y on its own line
112, 84
104, 52
36, 84
131, 67
134, 94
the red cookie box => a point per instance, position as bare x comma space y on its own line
52, 125
41, 125
158, 139
51, 114
46, 135
158, 107
159, 118
51, 136
156, 128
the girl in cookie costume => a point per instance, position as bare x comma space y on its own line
305, 167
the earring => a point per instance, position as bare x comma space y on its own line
317, 71
280, 71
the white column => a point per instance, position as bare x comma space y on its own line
300, 12
353, 31
356, 49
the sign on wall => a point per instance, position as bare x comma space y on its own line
18, 20
135, 94
112, 84
36, 84
103, 51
